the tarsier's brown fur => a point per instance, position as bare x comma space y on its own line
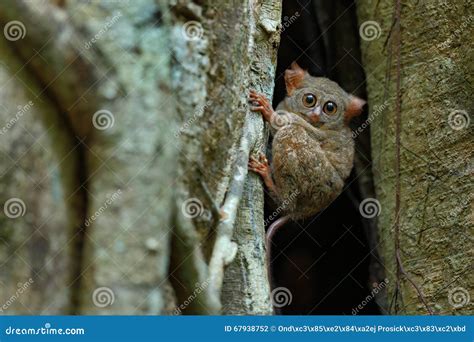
312, 149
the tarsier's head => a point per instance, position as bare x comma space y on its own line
318, 100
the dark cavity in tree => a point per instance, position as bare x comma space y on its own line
329, 262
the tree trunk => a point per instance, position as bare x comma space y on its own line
102, 66
38, 170
221, 51
422, 127
133, 140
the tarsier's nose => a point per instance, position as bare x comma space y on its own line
314, 114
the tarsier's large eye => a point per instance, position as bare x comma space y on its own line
309, 100
330, 107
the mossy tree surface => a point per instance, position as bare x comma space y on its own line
221, 51
175, 128
90, 57
436, 155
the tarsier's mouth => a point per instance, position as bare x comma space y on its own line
313, 118
314, 115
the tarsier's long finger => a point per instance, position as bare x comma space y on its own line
252, 165
255, 100
256, 166
263, 158
256, 96
262, 101
255, 169
254, 160
258, 171
257, 108
253, 95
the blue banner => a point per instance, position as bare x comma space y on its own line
233, 328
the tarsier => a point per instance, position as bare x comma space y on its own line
312, 148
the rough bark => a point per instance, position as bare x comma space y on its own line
91, 57
118, 189
127, 247
234, 52
435, 179
38, 203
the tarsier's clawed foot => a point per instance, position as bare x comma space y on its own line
261, 104
262, 167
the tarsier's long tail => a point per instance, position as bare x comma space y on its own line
271, 231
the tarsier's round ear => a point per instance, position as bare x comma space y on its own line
294, 77
354, 108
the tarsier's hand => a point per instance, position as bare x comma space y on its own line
261, 104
